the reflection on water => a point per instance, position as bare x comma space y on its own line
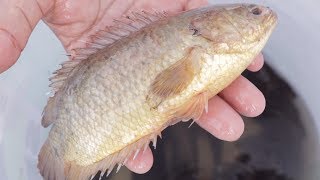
272, 147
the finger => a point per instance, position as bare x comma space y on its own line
17, 20
245, 97
192, 4
142, 163
8, 49
221, 120
257, 64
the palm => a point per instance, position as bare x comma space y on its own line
75, 20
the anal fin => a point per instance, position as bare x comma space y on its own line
112, 161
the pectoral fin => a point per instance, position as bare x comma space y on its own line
176, 78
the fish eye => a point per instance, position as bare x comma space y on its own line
256, 11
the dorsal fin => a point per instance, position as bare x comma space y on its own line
122, 27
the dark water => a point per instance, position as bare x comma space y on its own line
270, 149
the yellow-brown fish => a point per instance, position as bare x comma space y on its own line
149, 71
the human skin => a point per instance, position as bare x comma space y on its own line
74, 20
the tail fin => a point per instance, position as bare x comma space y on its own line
50, 166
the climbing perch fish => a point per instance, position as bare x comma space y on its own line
147, 72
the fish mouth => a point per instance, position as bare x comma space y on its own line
272, 18
273, 21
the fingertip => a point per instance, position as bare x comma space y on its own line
8, 50
257, 63
142, 163
260, 103
222, 121
244, 97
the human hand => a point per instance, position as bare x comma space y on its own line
73, 21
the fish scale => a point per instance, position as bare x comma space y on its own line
123, 91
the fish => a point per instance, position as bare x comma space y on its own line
148, 71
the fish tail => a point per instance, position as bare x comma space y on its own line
51, 167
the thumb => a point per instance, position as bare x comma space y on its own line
17, 20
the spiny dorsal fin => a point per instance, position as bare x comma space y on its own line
122, 27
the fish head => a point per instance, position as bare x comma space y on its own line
238, 27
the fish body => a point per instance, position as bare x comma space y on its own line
157, 70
